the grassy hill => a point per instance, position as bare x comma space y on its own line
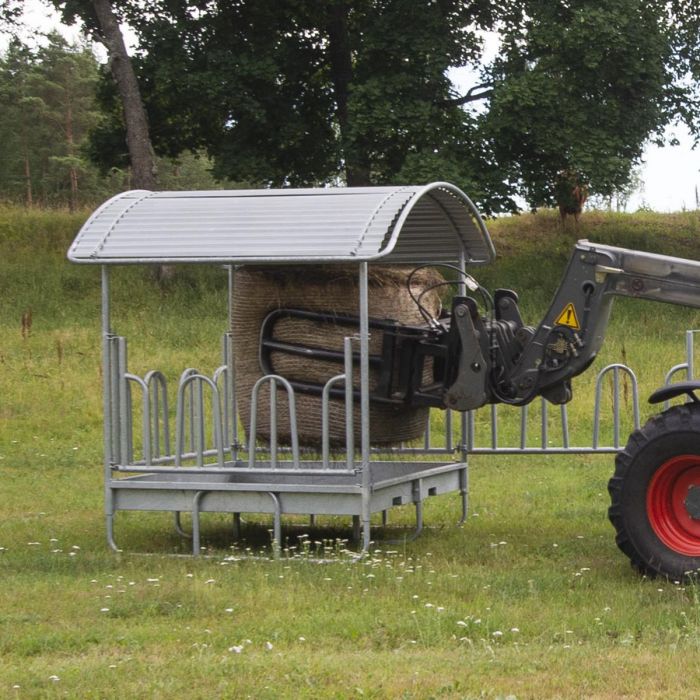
530, 599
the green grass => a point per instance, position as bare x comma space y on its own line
530, 599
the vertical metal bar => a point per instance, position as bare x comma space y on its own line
466, 419
146, 423
115, 399
464, 446
124, 427
494, 426
523, 427
565, 426
464, 492
107, 407
461, 286
349, 405
273, 424
155, 381
196, 504
449, 441
596, 409
155, 417
616, 407
689, 352
292, 421
635, 400
276, 525
253, 428
128, 424
545, 425
180, 430
200, 428
417, 495
224, 372
231, 396
325, 426
364, 404
470, 430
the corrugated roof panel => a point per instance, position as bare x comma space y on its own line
395, 224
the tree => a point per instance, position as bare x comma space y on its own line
299, 92
64, 84
102, 21
17, 107
580, 87
47, 108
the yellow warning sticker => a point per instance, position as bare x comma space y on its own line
568, 318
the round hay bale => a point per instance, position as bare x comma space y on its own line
332, 289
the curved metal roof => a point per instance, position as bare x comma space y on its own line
412, 224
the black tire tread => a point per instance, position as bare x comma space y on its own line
684, 418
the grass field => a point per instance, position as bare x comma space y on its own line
530, 599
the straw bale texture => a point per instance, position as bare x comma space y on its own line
258, 291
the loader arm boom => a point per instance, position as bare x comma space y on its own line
474, 359
573, 329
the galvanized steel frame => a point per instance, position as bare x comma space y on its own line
157, 481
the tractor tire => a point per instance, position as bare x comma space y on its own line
655, 495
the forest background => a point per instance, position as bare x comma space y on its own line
306, 95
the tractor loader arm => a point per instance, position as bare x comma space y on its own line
573, 329
475, 357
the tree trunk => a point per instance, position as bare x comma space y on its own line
340, 55
138, 140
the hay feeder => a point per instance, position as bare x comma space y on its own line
224, 459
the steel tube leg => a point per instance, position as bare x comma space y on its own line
178, 525
109, 519
366, 534
109, 522
418, 499
237, 526
366, 522
464, 494
276, 526
195, 522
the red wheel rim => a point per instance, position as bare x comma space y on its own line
666, 504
